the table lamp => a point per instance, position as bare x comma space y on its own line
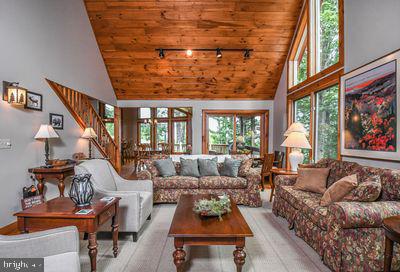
89, 134
46, 132
296, 140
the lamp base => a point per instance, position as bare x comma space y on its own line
295, 158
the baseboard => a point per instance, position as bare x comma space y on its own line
10, 229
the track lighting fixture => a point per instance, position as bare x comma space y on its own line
161, 53
246, 53
189, 52
219, 53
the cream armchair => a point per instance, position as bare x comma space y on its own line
136, 202
59, 248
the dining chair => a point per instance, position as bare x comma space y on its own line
143, 153
268, 162
278, 158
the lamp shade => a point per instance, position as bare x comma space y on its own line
46, 132
295, 127
89, 133
296, 140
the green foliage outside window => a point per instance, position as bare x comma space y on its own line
302, 68
327, 123
110, 129
145, 133
108, 111
302, 109
329, 33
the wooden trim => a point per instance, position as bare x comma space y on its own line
264, 126
9, 229
312, 50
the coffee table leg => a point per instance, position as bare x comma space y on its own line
92, 250
114, 231
239, 255
179, 254
388, 254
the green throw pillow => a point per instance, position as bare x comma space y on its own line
165, 167
189, 168
231, 168
208, 167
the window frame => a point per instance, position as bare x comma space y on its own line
307, 22
169, 120
264, 127
312, 90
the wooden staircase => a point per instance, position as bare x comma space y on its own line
85, 115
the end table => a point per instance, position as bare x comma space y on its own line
391, 225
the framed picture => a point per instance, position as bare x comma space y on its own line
57, 121
369, 112
34, 101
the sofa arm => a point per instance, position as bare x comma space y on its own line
144, 175
135, 185
285, 180
253, 178
40, 244
348, 215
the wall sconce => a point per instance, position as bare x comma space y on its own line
14, 94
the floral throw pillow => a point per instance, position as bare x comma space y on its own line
245, 167
366, 191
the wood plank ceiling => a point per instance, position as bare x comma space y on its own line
128, 32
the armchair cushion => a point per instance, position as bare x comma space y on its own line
362, 214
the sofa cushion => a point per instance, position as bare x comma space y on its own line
230, 168
176, 182
367, 190
307, 203
222, 182
312, 179
189, 168
208, 167
339, 190
165, 167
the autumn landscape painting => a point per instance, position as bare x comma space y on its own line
370, 110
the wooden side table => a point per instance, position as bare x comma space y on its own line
276, 172
391, 225
61, 212
56, 172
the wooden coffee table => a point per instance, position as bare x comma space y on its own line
188, 228
61, 212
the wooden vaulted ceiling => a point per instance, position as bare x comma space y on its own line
128, 32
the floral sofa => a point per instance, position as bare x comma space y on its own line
243, 189
347, 235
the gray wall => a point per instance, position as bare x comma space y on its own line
371, 31
280, 113
41, 39
199, 105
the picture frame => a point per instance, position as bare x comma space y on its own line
34, 101
56, 121
369, 112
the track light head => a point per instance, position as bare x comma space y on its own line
246, 54
219, 53
161, 53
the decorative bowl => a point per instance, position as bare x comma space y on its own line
213, 207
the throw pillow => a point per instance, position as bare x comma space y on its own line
366, 191
337, 191
245, 167
230, 168
208, 167
189, 168
165, 167
312, 179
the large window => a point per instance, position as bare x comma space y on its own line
318, 112
326, 123
106, 112
317, 44
164, 125
235, 132
302, 110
